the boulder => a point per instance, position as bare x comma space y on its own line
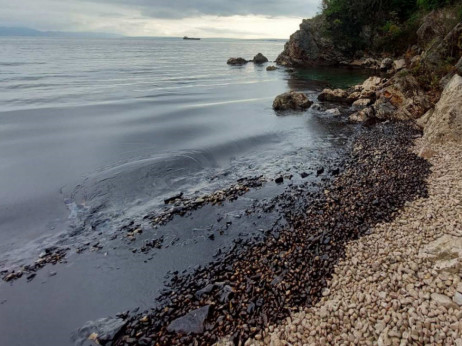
444, 123
355, 95
291, 101
271, 68
371, 84
260, 59
337, 95
236, 61
334, 111
386, 64
399, 64
363, 115
384, 109
191, 323
401, 98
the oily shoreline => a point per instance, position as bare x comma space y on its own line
401, 284
259, 284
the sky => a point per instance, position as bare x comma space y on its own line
201, 18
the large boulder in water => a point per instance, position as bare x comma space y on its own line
236, 61
260, 59
291, 101
444, 122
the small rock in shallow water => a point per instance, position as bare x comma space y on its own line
279, 180
106, 330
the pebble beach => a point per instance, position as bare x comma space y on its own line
399, 285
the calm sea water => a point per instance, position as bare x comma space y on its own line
96, 132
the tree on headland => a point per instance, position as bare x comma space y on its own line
357, 24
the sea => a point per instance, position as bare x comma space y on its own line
97, 133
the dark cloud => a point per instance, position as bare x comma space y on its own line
176, 9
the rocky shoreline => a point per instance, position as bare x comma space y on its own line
400, 284
257, 284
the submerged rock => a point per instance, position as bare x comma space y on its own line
334, 111
236, 61
193, 322
271, 68
102, 331
260, 59
292, 101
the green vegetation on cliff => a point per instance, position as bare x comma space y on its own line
378, 25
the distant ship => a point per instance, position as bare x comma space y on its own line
191, 38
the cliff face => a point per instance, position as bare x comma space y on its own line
309, 46
312, 44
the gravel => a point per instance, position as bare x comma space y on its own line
399, 285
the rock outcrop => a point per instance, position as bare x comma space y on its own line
401, 98
292, 101
442, 49
271, 68
236, 61
434, 26
309, 47
444, 122
260, 59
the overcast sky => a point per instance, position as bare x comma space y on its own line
204, 18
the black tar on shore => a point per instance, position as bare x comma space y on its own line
260, 283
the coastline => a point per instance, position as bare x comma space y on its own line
373, 222
260, 284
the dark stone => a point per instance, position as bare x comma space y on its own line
191, 323
260, 59
335, 171
106, 328
279, 180
320, 171
226, 294
304, 175
236, 61
173, 198
207, 289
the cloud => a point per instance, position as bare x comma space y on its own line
175, 9
207, 18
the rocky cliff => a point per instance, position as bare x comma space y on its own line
310, 46
313, 45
